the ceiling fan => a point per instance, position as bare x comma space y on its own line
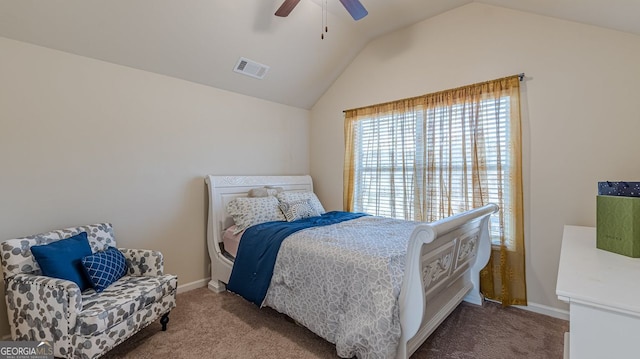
354, 7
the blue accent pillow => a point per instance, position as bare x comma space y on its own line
63, 259
105, 267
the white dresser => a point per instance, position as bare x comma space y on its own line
603, 292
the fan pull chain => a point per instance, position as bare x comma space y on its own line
325, 28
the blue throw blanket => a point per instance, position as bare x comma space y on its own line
258, 249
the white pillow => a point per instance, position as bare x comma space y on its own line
265, 191
298, 210
247, 212
298, 196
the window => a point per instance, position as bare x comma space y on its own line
432, 156
394, 153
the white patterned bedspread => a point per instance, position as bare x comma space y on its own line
342, 282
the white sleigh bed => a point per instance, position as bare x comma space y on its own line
442, 267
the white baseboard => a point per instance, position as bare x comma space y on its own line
193, 285
541, 309
546, 310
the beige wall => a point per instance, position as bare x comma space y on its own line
580, 106
84, 141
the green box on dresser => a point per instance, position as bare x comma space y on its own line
618, 225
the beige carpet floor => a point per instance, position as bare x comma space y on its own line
210, 325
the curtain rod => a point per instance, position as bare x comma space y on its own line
520, 77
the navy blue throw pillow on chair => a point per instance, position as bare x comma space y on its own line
63, 259
105, 267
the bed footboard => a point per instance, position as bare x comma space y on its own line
444, 260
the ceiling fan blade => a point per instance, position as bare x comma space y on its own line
355, 8
286, 7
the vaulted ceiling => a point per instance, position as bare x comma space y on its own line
202, 40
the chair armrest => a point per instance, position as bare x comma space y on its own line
43, 306
143, 262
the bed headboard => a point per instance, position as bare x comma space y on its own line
223, 189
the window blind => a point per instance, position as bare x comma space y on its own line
430, 152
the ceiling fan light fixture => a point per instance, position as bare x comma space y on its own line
354, 7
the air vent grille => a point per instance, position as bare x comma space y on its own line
251, 68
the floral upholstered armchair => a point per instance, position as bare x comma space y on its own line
84, 323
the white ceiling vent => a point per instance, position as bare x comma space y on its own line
251, 68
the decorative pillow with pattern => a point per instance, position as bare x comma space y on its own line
298, 196
105, 267
298, 210
249, 211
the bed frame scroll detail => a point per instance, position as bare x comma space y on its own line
443, 266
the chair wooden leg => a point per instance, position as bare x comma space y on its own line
164, 320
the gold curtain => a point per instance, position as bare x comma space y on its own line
503, 279
448, 172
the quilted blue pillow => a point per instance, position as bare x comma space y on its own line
63, 259
105, 267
